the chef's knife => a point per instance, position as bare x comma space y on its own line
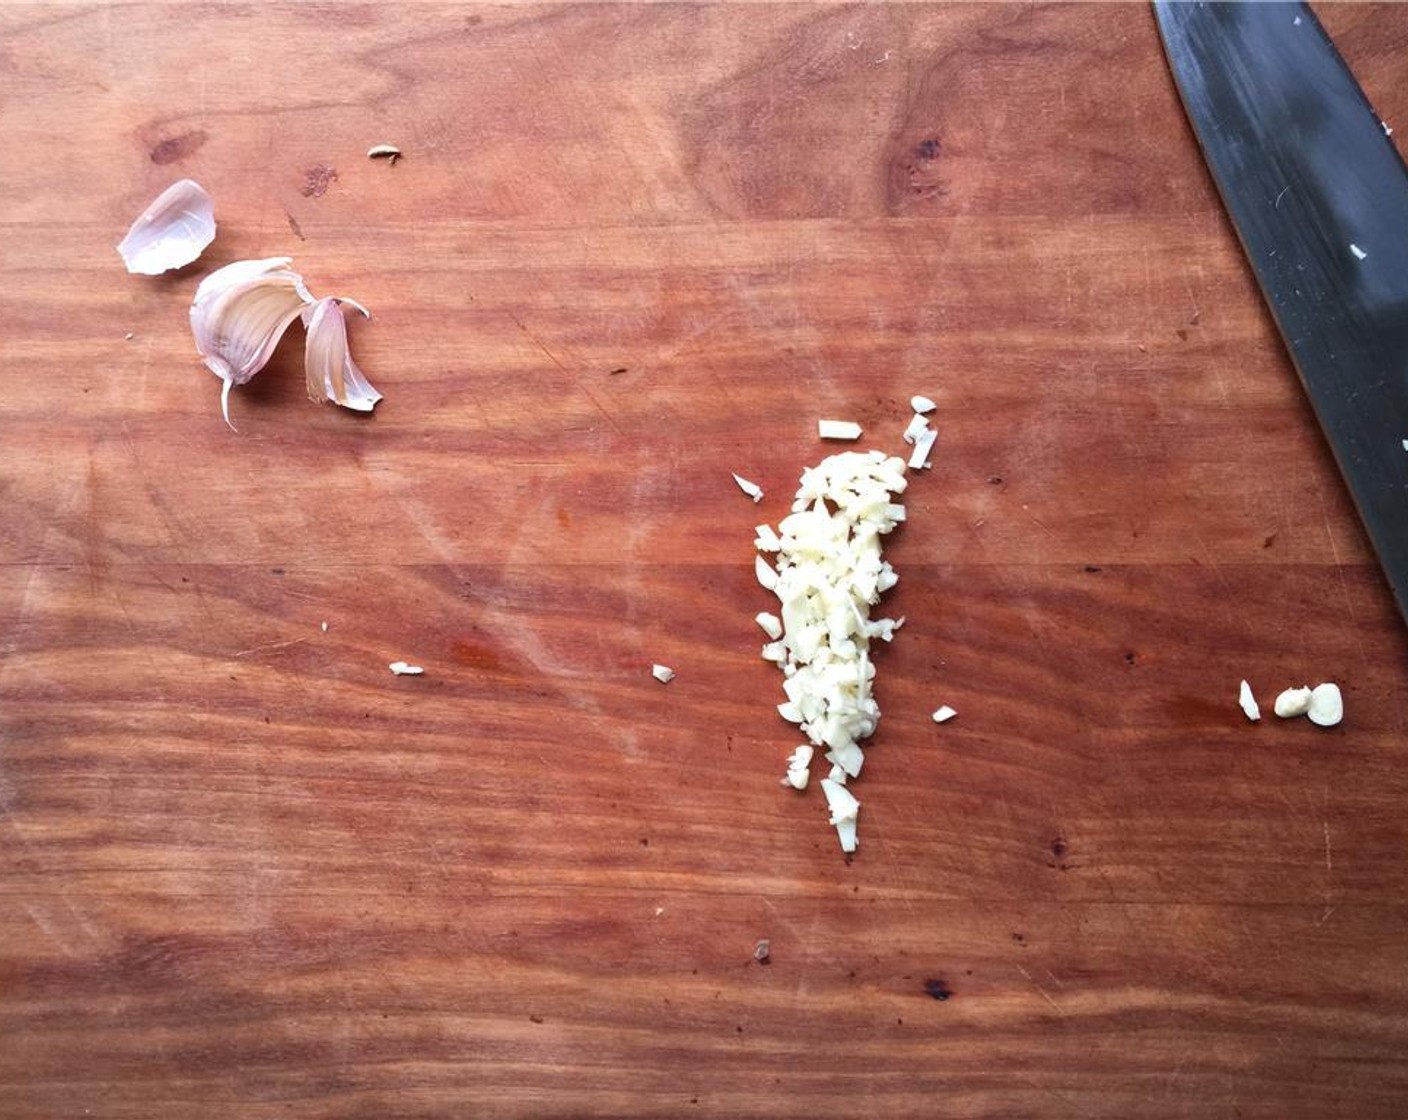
1319, 198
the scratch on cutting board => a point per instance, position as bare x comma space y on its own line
538, 342
1041, 991
270, 645
1339, 570
37, 916
1329, 861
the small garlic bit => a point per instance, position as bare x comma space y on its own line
1248, 702
838, 429
388, 152
239, 314
1326, 705
1293, 702
332, 374
171, 232
752, 489
923, 444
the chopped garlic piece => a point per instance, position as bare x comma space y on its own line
662, 673
923, 444
324, 625
844, 811
917, 427
771, 624
798, 767
1326, 705
1248, 702
401, 669
802, 756
943, 714
837, 429
752, 489
922, 404
767, 540
1293, 702
766, 575
1359, 253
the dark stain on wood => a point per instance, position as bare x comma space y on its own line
937, 989
317, 179
175, 148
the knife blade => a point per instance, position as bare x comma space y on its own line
1319, 198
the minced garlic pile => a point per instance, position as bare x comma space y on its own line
829, 573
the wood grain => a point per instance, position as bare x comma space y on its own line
248, 873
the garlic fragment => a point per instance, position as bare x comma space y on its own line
917, 427
1326, 705
662, 673
1293, 702
922, 404
239, 314
752, 489
844, 810
331, 372
763, 570
799, 766
766, 540
943, 714
923, 444
388, 152
171, 232
838, 429
401, 669
1248, 702
771, 624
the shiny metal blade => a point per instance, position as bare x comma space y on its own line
1319, 198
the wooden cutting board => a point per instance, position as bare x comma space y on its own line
249, 873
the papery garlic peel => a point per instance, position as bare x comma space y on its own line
239, 314
332, 374
171, 232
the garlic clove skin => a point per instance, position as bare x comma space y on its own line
171, 232
332, 374
239, 314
